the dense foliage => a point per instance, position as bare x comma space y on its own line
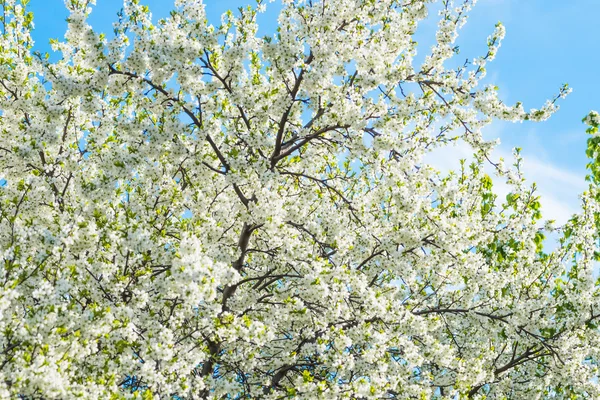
190, 211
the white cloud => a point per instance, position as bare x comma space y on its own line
559, 189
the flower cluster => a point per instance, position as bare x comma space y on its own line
191, 211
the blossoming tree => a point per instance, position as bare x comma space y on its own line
190, 212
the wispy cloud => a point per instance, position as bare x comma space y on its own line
558, 188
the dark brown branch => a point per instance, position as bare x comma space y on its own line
286, 114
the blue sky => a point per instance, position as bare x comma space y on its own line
548, 42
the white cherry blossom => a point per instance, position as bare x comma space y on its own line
191, 211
